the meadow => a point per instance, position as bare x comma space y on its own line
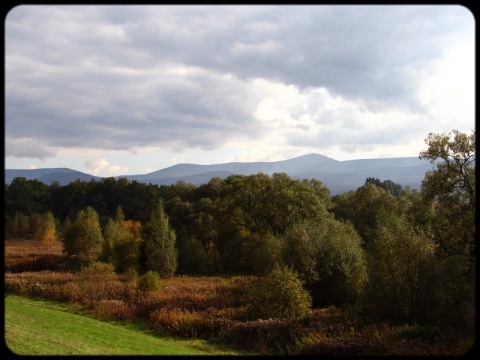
207, 308
38, 327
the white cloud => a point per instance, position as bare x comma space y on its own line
115, 170
448, 91
94, 166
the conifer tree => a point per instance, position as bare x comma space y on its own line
159, 243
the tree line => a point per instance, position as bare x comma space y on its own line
396, 253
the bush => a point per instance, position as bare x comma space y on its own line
150, 281
97, 271
280, 294
98, 281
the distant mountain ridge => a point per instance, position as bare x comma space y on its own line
338, 176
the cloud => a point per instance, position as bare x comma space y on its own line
114, 170
28, 147
271, 80
96, 165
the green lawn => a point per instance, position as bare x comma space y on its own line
35, 327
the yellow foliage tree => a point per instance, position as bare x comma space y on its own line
47, 231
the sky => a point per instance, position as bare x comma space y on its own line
120, 90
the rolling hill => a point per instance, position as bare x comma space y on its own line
338, 176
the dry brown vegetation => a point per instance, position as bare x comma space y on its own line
210, 308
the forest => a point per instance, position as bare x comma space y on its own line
385, 253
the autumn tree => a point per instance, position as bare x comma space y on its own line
121, 244
18, 225
47, 230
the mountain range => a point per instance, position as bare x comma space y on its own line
338, 176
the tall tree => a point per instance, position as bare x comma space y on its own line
451, 188
159, 250
454, 176
401, 271
121, 244
328, 255
452, 185
362, 206
26, 197
47, 230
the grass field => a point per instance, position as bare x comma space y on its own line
34, 327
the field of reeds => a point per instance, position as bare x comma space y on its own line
210, 308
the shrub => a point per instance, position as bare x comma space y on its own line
280, 294
150, 281
97, 271
265, 337
98, 281
113, 310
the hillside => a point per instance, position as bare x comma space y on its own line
338, 176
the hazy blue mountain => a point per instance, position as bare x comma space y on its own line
299, 164
46, 175
338, 176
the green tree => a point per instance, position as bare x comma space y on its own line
401, 272
68, 200
259, 203
181, 217
26, 197
159, 250
254, 209
454, 176
119, 215
329, 257
452, 185
292, 201
24, 225
420, 211
36, 223
84, 237
13, 226
388, 185
266, 253
362, 206
192, 258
